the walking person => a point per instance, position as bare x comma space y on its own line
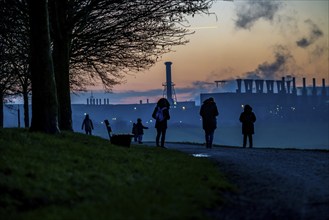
247, 118
108, 128
161, 115
140, 130
209, 112
88, 125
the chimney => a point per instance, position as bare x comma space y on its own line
248, 85
314, 88
324, 91
269, 86
304, 91
239, 85
279, 86
294, 90
169, 82
283, 87
259, 85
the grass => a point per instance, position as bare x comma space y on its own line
74, 176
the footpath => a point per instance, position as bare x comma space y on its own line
271, 183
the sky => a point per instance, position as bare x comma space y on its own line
265, 39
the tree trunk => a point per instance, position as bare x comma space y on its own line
61, 58
1, 109
44, 97
26, 108
61, 68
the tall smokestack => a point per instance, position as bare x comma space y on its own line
248, 85
169, 82
304, 91
324, 91
314, 88
269, 86
259, 85
239, 85
283, 87
294, 90
279, 86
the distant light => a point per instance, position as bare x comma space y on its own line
151, 120
180, 121
85, 113
200, 155
135, 108
183, 108
102, 122
114, 119
242, 106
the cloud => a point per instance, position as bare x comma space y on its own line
248, 12
314, 34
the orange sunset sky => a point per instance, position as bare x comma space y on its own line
245, 39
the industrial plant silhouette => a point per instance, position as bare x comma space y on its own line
279, 104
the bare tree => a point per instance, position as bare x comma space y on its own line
102, 39
15, 35
44, 99
7, 80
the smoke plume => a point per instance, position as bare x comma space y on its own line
314, 34
251, 11
278, 68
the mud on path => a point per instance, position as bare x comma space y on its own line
271, 183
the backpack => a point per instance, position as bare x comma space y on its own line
159, 115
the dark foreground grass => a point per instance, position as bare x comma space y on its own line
74, 176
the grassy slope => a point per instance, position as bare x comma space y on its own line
73, 176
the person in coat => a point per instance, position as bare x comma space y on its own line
140, 130
87, 124
108, 128
247, 118
161, 116
209, 112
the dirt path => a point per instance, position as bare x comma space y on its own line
271, 183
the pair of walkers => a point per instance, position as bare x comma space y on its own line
209, 112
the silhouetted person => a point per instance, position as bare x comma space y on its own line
161, 115
108, 128
87, 124
208, 113
247, 118
140, 130
134, 132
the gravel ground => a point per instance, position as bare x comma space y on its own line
271, 183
